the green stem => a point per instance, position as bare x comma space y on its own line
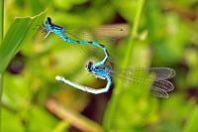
133, 34
1, 39
1, 20
110, 113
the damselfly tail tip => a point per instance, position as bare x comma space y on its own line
58, 78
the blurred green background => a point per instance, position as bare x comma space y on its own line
159, 33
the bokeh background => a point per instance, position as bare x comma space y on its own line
167, 36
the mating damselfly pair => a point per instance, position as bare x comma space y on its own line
160, 87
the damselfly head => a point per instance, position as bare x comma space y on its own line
51, 26
89, 66
48, 21
44, 27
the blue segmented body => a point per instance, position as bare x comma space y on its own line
101, 72
49, 27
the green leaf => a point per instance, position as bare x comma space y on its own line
20, 30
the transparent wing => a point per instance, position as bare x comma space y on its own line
115, 30
163, 84
160, 73
160, 87
159, 92
108, 31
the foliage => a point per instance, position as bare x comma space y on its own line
161, 33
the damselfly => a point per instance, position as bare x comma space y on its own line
49, 27
160, 87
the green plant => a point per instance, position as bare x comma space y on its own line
20, 30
